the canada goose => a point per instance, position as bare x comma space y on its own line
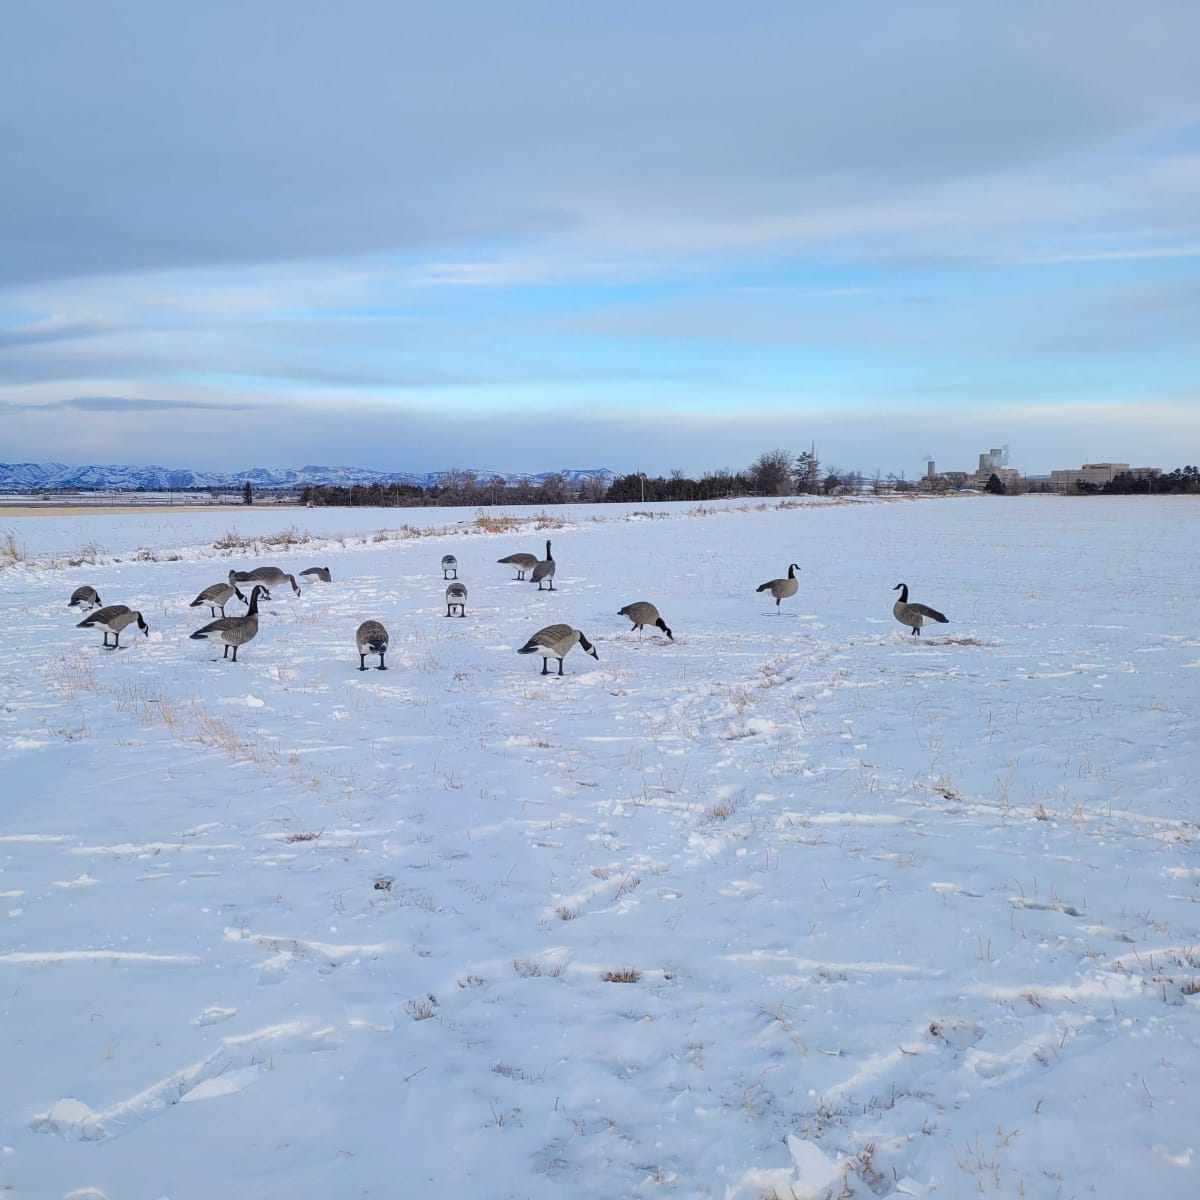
217, 595
233, 631
449, 563
553, 642
84, 598
909, 612
112, 620
781, 588
522, 563
268, 577
642, 612
544, 570
456, 597
371, 638
311, 573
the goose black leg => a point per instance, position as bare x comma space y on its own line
546, 666
362, 662
381, 666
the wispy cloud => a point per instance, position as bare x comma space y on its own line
120, 404
617, 211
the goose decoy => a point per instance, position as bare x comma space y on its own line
553, 642
449, 563
311, 573
909, 612
521, 562
642, 612
233, 631
217, 595
781, 589
84, 598
371, 638
456, 597
268, 577
544, 570
112, 620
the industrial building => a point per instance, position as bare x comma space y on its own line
1096, 475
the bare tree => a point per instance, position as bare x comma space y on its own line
771, 473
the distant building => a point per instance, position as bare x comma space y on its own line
1096, 475
992, 463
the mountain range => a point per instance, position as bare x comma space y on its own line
31, 477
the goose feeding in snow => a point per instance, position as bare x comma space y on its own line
449, 563
269, 577
233, 631
371, 638
84, 598
456, 597
217, 595
642, 612
112, 620
311, 573
521, 562
553, 642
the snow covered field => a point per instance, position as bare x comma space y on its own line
795, 906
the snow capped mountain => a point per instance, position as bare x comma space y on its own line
52, 476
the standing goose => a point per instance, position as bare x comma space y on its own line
233, 631
914, 615
522, 563
371, 638
781, 589
449, 563
544, 570
456, 597
642, 612
84, 598
311, 573
112, 620
217, 595
268, 577
553, 642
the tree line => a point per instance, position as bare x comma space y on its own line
1182, 480
773, 473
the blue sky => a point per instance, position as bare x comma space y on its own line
643, 236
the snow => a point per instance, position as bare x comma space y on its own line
797, 905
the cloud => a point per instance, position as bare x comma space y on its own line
119, 404
452, 214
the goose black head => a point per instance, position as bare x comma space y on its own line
142, 624
663, 626
587, 647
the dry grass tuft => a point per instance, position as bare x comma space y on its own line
622, 975
87, 555
303, 837
75, 675
530, 968
423, 1009
486, 522
12, 552
284, 540
566, 914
